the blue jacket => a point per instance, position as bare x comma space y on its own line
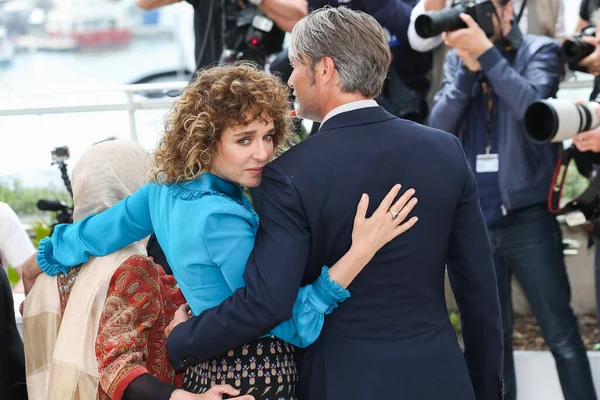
392, 339
526, 168
206, 228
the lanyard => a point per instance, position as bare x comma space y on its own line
487, 90
520, 15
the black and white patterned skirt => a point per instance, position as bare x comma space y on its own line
264, 368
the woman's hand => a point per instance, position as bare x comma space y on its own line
30, 270
215, 393
371, 234
181, 315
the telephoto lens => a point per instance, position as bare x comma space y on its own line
433, 23
554, 120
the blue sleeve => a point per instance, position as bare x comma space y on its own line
308, 315
539, 81
229, 237
96, 235
273, 277
453, 98
393, 15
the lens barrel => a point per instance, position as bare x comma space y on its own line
434, 23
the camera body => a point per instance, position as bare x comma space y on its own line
60, 154
555, 120
434, 23
250, 36
576, 49
64, 212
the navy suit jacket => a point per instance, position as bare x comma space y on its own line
392, 338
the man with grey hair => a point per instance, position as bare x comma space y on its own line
392, 339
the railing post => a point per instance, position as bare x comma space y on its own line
131, 112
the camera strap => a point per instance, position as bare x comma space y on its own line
558, 181
521, 11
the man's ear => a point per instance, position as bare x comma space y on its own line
326, 69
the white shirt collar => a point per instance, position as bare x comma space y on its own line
355, 105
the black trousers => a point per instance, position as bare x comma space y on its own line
12, 355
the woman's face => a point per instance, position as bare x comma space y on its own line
243, 151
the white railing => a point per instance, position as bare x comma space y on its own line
23, 103
38, 103
122, 98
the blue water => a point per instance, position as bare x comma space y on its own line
26, 141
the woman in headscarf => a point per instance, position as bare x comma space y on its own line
97, 330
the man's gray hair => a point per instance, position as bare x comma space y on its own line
354, 40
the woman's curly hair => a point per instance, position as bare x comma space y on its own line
217, 99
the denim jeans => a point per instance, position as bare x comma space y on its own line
528, 245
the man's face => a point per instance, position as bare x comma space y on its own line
306, 90
502, 20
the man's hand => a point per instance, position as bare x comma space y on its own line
215, 393
181, 315
434, 5
29, 272
285, 13
471, 39
592, 62
468, 60
588, 141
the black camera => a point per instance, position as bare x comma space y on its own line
60, 154
64, 212
251, 36
433, 23
576, 49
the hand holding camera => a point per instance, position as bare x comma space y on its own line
589, 140
591, 63
582, 52
555, 120
470, 42
468, 60
434, 23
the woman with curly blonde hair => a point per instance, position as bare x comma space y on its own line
225, 128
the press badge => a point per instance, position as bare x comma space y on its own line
486, 163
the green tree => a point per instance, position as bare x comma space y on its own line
24, 199
575, 183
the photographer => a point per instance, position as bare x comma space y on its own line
208, 21
405, 91
547, 19
588, 11
588, 162
15, 245
488, 85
